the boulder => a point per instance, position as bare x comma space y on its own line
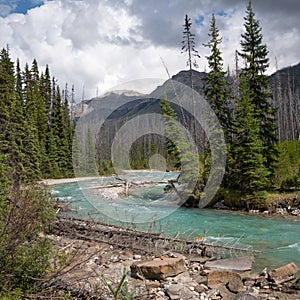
284, 273
236, 264
159, 268
232, 280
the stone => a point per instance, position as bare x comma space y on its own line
159, 268
225, 293
208, 252
236, 264
200, 288
296, 285
284, 273
235, 285
179, 291
245, 296
233, 281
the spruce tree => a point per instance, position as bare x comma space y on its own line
188, 45
216, 88
251, 175
216, 91
7, 95
255, 56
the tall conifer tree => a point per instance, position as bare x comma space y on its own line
255, 56
216, 88
251, 174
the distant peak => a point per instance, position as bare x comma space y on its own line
123, 93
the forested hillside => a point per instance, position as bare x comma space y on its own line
36, 131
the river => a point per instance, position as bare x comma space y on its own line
277, 238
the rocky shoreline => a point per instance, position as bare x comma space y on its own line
152, 267
283, 205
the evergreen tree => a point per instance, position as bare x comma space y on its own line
216, 88
254, 54
188, 45
216, 91
179, 145
7, 96
31, 141
251, 173
171, 129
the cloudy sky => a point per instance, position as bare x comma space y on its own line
104, 43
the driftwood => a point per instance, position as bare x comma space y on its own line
124, 237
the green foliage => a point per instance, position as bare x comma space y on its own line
258, 200
121, 292
106, 168
172, 129
188, 45
287, 170
35, 131
254, 53
251, 174
24, 249
178, 145
216, 88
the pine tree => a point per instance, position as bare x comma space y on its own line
254, 54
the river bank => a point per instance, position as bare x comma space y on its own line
97, 254
284, 204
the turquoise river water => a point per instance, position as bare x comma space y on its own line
277, 238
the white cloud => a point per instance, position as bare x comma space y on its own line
105, 43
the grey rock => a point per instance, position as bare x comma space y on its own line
237, 264
179, 291
245, 296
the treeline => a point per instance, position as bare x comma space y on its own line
35, 142
35, 127
247, 115
245, 109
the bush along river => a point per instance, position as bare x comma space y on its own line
147, 208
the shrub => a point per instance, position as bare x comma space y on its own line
26, 214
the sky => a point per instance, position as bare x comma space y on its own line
101, 44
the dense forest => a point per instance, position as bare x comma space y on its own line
36, 130
35, 143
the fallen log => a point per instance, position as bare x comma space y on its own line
125, 237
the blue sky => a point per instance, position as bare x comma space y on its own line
103, 43
18, 6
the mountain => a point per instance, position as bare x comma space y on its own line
285, 87
115, 108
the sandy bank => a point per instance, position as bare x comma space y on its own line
67, 180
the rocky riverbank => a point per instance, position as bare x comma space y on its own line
284, 204
96, 256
